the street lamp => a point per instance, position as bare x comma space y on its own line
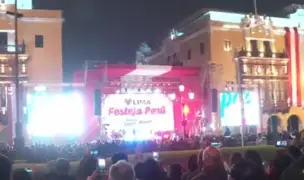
19, 140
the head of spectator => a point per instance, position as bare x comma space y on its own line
5, 168
295, 151
279, 164
139, 170
200, 159
62, 167
21, 174
122, 170
175, 172
192, 163
118, 157
247, 170
236, 158
254, 156
153, 170
51, 167
212, 157
87, 167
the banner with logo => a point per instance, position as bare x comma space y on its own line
138, 114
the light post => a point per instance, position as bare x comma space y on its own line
184, 107
19, 139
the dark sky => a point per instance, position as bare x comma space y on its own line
112, 29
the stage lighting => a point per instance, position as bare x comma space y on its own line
191, 95
181, 88
157, 90
40, 88
172, 96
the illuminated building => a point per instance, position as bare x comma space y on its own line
145, 94
39, 48
266, 52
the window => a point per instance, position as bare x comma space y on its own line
202, 48
227, 46
23, 68
39, 41
2, 68
189, 54
268, 51
3, 38
254, 48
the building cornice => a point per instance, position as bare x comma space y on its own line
42, 20
238, 28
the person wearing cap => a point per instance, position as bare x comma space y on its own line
213, 167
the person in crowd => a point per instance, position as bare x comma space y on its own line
200, 160
294, 171
87, 168
118, 157
295, 151
280, 163
139, 170
193, 169
153, 171
21, 174
213, 168
175, 172
254, 156
236, 158
247, 170
121, 170
5, 168
62, 168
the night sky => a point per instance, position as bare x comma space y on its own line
112, 29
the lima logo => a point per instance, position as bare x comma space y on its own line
231, 98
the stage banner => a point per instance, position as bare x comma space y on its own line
137, 114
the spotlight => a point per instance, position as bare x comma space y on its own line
172, 96
157, 90
181, 88
191, 95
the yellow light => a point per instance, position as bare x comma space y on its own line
186, 109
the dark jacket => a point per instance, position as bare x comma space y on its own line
212, 173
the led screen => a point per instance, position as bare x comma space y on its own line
55, 115
138, 115
230, 109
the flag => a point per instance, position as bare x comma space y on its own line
292, 40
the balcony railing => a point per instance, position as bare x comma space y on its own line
10, 49
256, 54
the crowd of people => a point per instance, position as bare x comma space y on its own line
40, 153
208, 164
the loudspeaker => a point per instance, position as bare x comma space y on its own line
214, 100
97, 102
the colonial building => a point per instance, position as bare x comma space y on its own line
39, 51
249, 50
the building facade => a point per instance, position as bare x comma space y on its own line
244, 50
39, 50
